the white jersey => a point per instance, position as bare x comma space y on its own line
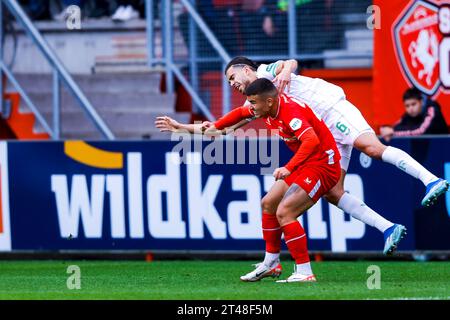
318, 94
328, 102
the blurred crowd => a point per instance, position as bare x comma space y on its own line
253, 27
117, 10
259, 26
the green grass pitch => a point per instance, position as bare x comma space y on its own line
219, 280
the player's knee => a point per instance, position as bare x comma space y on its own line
282, 214
264, 204
374, 151
267, 204
370, 145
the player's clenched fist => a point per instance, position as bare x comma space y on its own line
206, 125
281, 173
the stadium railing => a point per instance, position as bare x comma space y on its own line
168, 61
60, 74
311, 31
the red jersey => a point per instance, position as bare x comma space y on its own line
315, 165
293, 119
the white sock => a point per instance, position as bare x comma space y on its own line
304, 268
405, 162
270, 258
359, 210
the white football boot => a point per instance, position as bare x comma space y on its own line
263, 271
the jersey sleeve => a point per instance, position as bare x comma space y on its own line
233, 117
267, 71
310, 142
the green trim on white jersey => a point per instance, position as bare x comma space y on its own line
272, 68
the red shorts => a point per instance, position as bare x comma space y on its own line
315, 178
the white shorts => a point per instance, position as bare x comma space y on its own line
346, 124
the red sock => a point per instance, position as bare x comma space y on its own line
271, 232
295, 238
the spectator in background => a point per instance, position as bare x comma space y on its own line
98, 8
318, 28
64, 4
36, 9
89, 8
422, 116
241, 26
222, 17
126, 10
56, 9
264, 27
72, 2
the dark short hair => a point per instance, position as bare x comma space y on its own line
412, 93
241, 61
261, 86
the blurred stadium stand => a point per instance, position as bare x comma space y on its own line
127, 102
109, 63
328, 34
110, 60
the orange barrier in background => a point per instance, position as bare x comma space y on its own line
408, 51
22, 124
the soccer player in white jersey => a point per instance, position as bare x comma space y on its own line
349, 129
344, 120
347, 125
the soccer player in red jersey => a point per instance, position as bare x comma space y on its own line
329, 103
311, 173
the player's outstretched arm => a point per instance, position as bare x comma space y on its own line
234, 119
212, 130
283, 73
167, 124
